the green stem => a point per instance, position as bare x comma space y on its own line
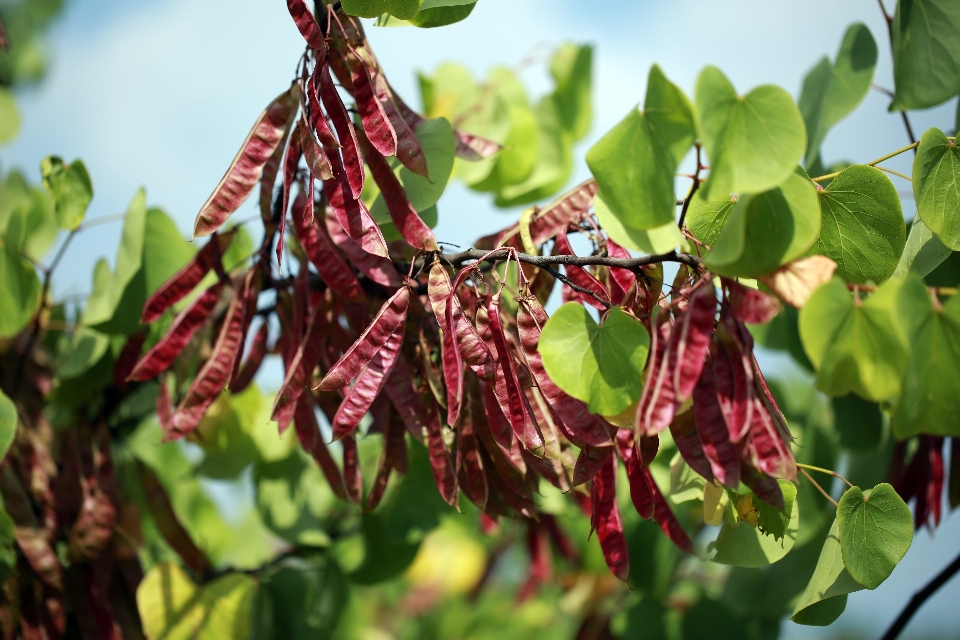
826, 471
872, 163
896, 173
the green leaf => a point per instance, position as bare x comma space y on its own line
861, 226
27, 221
436, 140
554, 162
172, 606
19, 291
930, 400
753, 141
741, 545
572, 71
832, 91
825, 597
85, 350
926, 53
923, 252
70, 187
706, 219
936, 181
224, 434
601, 365
516, 161
711, 619
876, 529
858, 422
403, 9
635, 162
101, 308
658, 240
9, 116
855, 346
293, 498
8, 423
301, 599
767, 230
441, 16
364, 8
685, 483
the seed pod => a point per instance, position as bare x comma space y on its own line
690, 340
684, 432
316, 157
352, 165
368, 385
378, 268
353, 216
268, 131
766, 487
665, 518
409, 152
351, 469
252, 364
391, 318
606, 519
374, 118
621, 280
186, 279
394, 456
658, 400
580, 277
308, 26
318, 121
589, 463
712, 429
308, 433
750, 305
438, 290
640, 492
299, 370
324, 256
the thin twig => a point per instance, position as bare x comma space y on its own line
921, 597
819, 488
693, 189
872, 163
826, 471
896, 173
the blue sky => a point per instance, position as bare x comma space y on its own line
161, 94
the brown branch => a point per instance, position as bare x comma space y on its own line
920, 597
903, 114
693, 189
543, 262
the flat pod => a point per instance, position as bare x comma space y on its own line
244, 172
365, 390
607, 521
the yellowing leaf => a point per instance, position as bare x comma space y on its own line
795, 281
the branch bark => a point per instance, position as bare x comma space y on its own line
920, 597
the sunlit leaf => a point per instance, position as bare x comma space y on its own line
656, 241
742, 545
826, 594
70, 187
923, 252
601, 365
876, 529
767, 230
936, 179
19, 291
753, 141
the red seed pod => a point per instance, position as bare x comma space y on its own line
577, 423
621, 280
351, 469
768, 437
252, 364
268, 178
128, 359
589, 462
164, 405
580, 277
352, 165
684, 432
423, 423
318, 121
409, 152
353, 216
658, 399
408, 222
524, 424
471, 348
186, 279
299, 369
368, 385
291, 160
473, 479
394, 456
750, 305
378, 268
271, 127
390, 319
733, 379
665, 518
376, 124
213, 377
307, 25
640, 492
473, 148
712, 429
324, 256
438, 290
606, 519
316, 157
766, 487
690, 340
500, 428
308, 432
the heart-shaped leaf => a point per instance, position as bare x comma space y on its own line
930, 400
861, 225
743, 545
767, 230
654, 241
855, 345
70, 187
601, 365
936, 179
876, 529
172, 606
923, 252
926, 53
635, 162
832, 90
826, 594
753, 141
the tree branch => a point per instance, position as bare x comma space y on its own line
693, 189
920, 597
543, 262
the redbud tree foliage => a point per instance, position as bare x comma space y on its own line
443, 458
